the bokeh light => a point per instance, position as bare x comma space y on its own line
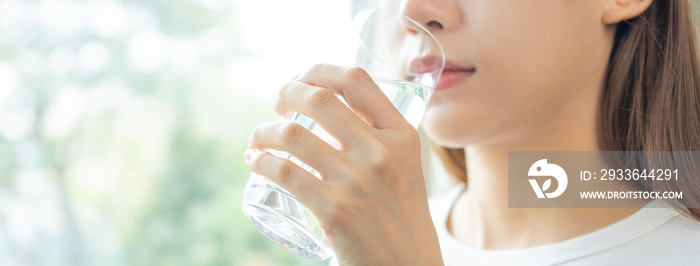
123, 125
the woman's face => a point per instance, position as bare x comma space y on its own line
514, 68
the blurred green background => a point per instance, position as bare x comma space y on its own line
123, 125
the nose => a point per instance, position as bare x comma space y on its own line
434, 15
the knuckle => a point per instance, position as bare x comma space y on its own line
364, 187
260, 130
380, 157
258, 162
321, 98
291, 133
382, 162
328, 229
283, 172
286, 90
357, 73
378, 151
340, 209
317, 68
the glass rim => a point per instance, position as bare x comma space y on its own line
361, 16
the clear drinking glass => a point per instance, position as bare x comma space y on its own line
405, 61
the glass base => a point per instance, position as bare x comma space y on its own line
287, 234
284, 220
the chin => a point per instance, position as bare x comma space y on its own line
445, 136
451, 145
456, 131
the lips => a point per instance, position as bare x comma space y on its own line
425, 64
452, 74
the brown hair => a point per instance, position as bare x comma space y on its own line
651, 101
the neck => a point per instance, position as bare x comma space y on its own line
481, 216
487, 165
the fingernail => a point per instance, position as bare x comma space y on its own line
248, 154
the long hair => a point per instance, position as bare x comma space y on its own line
651, 101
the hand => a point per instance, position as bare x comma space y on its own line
371, 199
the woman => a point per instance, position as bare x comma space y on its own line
547, 75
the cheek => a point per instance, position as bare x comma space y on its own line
541, 43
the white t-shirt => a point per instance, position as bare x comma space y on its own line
650, 236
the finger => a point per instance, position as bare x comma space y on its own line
281, 110
302, 184
360, 92
301, 143
326, 109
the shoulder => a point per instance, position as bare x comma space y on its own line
674, 242
680, 237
